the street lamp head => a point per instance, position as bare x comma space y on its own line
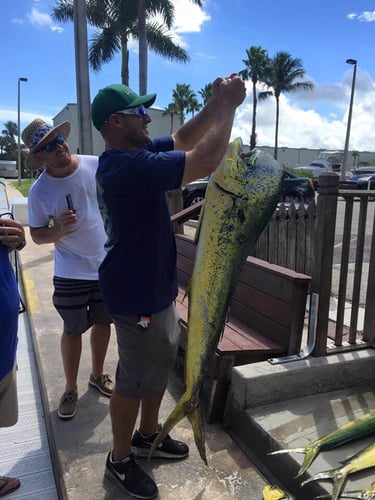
22, 79
351, 61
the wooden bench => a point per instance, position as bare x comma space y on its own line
266, 318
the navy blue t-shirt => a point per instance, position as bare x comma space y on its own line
138, 274
9, 304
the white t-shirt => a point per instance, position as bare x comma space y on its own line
79, 253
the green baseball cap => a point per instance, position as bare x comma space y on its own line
116, 98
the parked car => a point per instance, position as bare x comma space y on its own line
317, 168
362, 170
294, 189
8, 169
359, 182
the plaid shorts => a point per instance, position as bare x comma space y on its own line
146, 355
80, 304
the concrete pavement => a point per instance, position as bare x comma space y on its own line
79, 446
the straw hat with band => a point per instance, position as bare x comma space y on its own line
116, 98
36, 135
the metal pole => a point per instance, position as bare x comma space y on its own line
19, 166
82, 78
346, 148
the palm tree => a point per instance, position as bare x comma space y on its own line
281, 76
145, 8
171, 111
9, 143
184, 99
256, 66
117, 21
206, 93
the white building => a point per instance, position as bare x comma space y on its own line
298, 157
160, 125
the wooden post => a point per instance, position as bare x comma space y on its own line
369, 321
321, 282
176, 205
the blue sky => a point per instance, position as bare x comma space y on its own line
323, 34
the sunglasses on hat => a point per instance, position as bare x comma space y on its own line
51, 146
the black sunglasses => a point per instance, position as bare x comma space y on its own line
51, 146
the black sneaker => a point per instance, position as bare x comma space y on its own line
169, 448
128, 476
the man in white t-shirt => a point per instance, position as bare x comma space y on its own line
63, 210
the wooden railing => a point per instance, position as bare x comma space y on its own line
288, 238
306, 240
350, 324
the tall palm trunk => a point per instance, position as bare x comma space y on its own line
254, 121
124, 60
276, 127
143, 50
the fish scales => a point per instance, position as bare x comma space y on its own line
241, 197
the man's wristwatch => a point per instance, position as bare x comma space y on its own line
21, 245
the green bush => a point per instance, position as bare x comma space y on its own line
24, 187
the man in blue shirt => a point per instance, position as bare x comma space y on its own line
138, 275
12, 237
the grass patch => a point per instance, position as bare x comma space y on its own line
24, 187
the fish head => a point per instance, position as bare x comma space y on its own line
273, 492
239, 172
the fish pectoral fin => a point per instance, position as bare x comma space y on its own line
197, 424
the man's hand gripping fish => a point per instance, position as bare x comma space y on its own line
241, 197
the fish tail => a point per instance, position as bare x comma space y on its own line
337, 476
196, 421
181, 410
338, 483
311, 453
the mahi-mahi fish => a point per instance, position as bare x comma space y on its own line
362, 460
273, 492
354, 429
365, 494
241, 197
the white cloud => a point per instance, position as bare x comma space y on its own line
41, 20
365, 16
189, 17
306, 127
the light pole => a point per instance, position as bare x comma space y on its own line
19, 167
345, 159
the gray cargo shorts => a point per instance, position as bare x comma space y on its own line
146, 355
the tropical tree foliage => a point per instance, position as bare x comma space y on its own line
283, 75
171, 111
206, 93
256, 66
184, 100
8, 142
117, 21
